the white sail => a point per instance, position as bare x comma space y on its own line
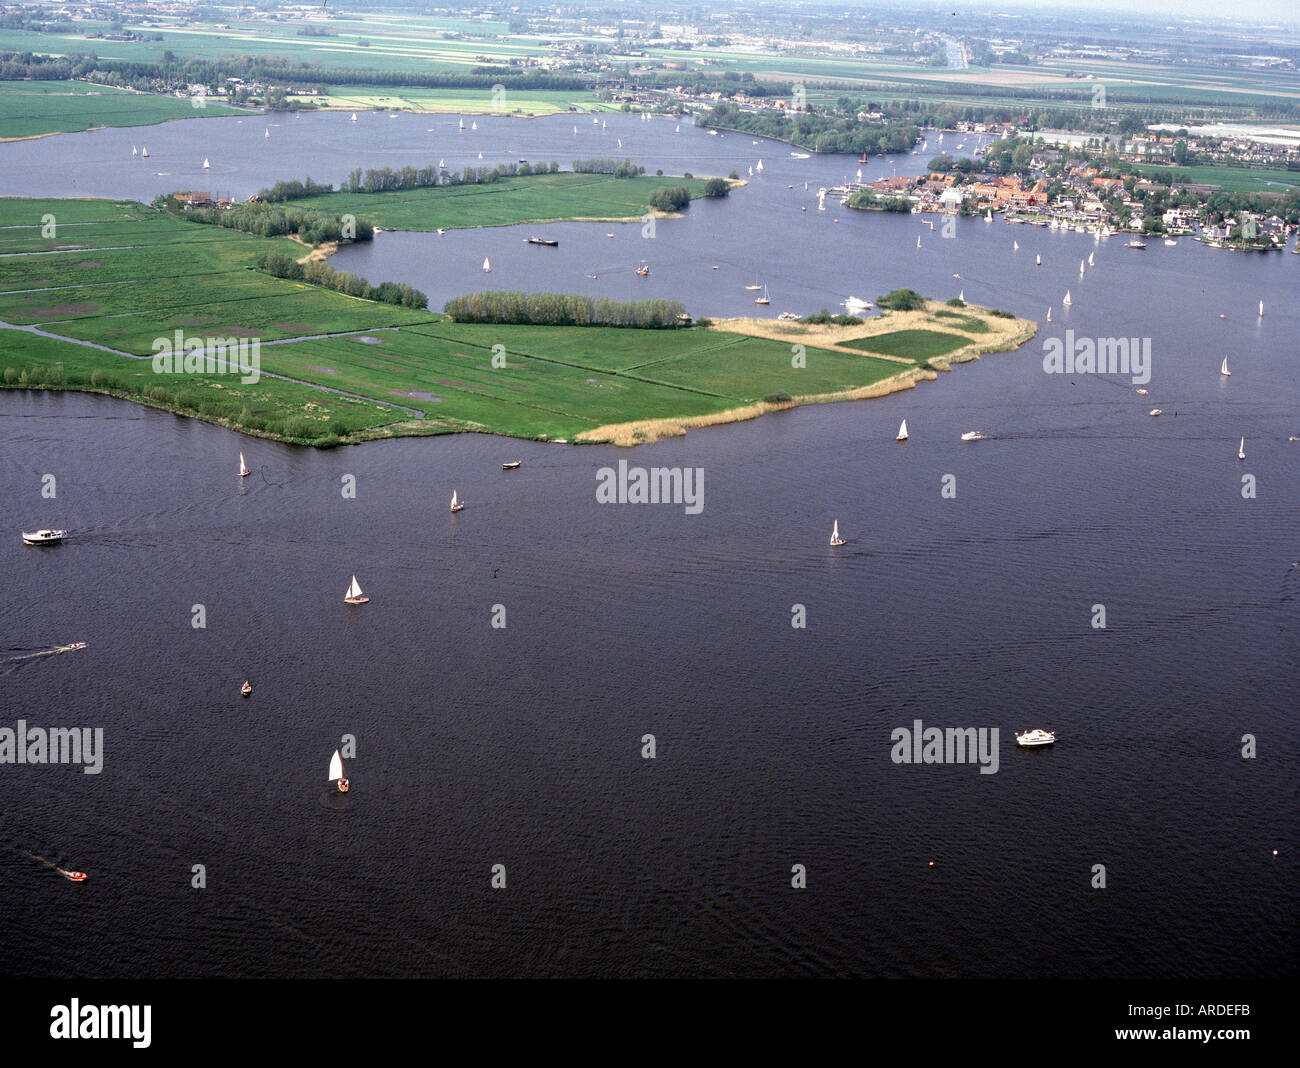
453, 498
902, 430
1082, 268
1241, 450
144, 152
678, 130
1049, 315
918, 240
575, 131
1224, 369
1038, 261
355, 589
206, 164
268, 133
480, 155
134, 151
1067, 299
1261, 307
354, 116
486, 265
243, 468
462, 124
1015, 246
988, 215
859, 174
336, 767
473, 125
962, 296
1090, 263
442, 164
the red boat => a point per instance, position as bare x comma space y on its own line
76, 876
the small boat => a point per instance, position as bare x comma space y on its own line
1141, 392
1082, 267
1038, 260
44, 537
759, 166
1067, 301
1155, 411
206, 164
462, 124
1223, 370
857, 304
1170, 242
480, 155
1241, 450
134, 151
550, 242
268, 133
902, 431
756, 286
678, 130
442, 166
961, 296
595, 121
1136, 244
246, 689
144, 153
1015, 246
354, 117
988, 216
1036, 737
1261, 307
620, 142
244, 472
764, 299
487, 266
972, 435
609, 235
456, 505
354, 594
918, 240
473, 125
1090, 263
511, 465
336, 773
643, 270
575, 131
788, 317
75, 876
835, 534
799, 155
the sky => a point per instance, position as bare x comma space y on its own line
1287, 11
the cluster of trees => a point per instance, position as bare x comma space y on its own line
815, 131
293, 190
564, 309
901, 300
320, 273
824, 317
868, 200
273, 220
619, 168
670, 198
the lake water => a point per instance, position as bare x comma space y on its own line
521, 746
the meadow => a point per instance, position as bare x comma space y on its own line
506, 202
29, 109
337, 369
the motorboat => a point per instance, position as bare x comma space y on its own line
972, 435
44, 537
1034, 738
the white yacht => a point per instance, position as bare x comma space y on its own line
1036, 737
44, 537
972, 435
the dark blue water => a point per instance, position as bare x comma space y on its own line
478, 746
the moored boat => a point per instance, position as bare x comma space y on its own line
510, 465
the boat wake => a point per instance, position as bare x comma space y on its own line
73, 647
73, 876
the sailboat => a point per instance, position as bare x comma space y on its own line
144, 152
751, 171
462, 124
354, 116
961, 296
487, 267
988, 215
1090, 263
1241, 450
247, 688
835, 534
575, 131
480, 155
602, 124
243, 468
1261, 307
902, 431
755, 287
134, 151
456, 505
1067, 301
595, 121
206, 164
1082, 268
859, 174
1049, 315
354, 594
764, 298
268, 133
442, 164
1038, 260
918, 240
336, 773
620, 142
1224, 369
678, 130
473, 125
1015, 246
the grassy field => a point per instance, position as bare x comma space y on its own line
536, 198
1229, 179
917, 345
28, 109
337, 369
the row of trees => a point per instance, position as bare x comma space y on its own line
619, 168
320, 273
867, 200
274, 220
511, 307
815, 131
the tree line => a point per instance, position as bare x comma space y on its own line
815, 131
320, 273
273, 220
514, 308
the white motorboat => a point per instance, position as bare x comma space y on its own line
972, 435
1155, 411
857, 304
1036, 737
44, 537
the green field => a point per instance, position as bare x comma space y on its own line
28, 109
379, 370
1229, 179
505, 202
919, 345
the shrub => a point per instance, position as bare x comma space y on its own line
955, 302
778, 398
902, 300
1002, 314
